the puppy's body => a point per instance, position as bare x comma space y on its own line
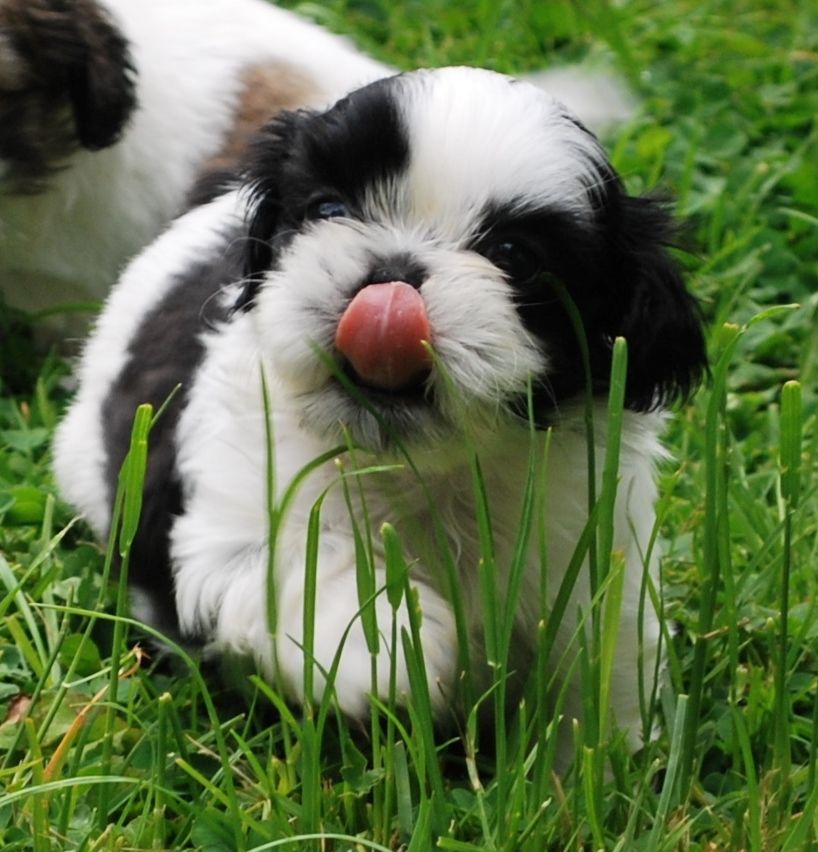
477, 193
181, 84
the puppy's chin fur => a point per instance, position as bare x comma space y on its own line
503, 212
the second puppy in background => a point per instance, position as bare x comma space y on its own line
117, 115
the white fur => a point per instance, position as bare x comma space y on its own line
597, 93
511, 118
79, 451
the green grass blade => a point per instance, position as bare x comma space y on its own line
713, 529
675, 779
790, 459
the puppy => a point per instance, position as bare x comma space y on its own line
390, 276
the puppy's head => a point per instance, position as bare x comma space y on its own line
416, 252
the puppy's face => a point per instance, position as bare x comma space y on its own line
416, 252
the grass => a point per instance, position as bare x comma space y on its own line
101, 749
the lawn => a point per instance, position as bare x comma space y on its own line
103, 748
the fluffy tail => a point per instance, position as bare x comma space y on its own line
598, 96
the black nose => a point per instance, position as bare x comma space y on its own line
397, 267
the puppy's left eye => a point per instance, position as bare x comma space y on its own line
521, 262
327, 208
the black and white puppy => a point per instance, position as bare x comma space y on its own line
431, 207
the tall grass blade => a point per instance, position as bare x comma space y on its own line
790, 460
131, 486
611, 612
715, 525
610, 468
675, 781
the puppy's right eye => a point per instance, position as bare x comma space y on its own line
520, 261
327, 208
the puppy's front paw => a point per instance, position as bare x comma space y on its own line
337, 606
66, 79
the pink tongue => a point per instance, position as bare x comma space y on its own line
381, 334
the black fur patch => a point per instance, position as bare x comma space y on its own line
66, 81
209, 186
617, 271
568, 250
301, 156
164, 353
660, 319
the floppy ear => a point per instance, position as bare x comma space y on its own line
66, 80
100, 76
659, 318
264, 170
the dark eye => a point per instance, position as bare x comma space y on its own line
520, 261
327, 208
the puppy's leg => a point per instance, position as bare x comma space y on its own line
66, 81
337, 607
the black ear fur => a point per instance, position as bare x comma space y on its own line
659, 318
101, 82
264, 171
68, 82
